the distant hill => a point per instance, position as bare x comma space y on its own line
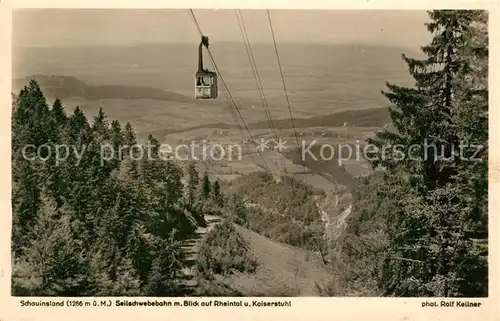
332, 76
71, 87
373, 117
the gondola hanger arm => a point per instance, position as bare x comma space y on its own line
204, 41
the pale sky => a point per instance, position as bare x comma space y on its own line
58, 27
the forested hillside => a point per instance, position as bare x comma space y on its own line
284, 211
420, 226
93, 225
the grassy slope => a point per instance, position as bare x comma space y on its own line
283, 270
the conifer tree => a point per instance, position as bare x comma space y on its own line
129, 169
129, 135
431, 252
193, 182
53, 257
152, 169
116, 141
174, 182
58, 112
154, 145
31, 116
165, 269
129, 154
79, 128
116, 134
217, 194
26, 200
206, 186
101, 126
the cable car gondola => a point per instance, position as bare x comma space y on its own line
205, 80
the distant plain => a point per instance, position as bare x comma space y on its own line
320, 79
152, 86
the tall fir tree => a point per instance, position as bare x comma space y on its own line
78, 129
174, 176
216, 192
431, 251
165, 269
117, 138
206, 187
53, 258
192, 183
100, 125
129, 135
58, 112
129, 154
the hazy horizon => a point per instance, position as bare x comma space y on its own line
221, 44
128, 27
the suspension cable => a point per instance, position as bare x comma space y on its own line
258, 82
253, 65
283, 81
228, 91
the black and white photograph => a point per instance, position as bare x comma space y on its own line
249, 153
